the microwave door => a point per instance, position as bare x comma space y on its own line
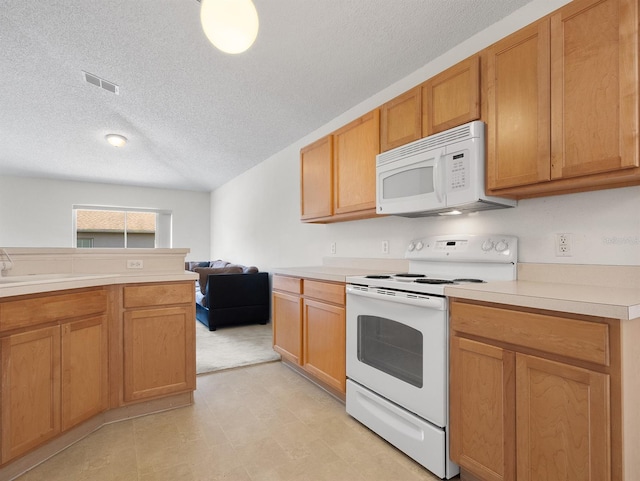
411, 185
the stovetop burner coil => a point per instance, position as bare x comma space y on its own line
469, 280
408, 275
434, 281
377, 276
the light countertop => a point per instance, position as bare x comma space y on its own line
326, 273
595, 290
612, 302
33, 284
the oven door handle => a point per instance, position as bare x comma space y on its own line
419, 300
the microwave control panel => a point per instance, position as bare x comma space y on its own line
458, 174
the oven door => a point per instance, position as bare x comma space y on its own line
397, 348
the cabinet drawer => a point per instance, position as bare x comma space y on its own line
51, 308
572, 338
325, 291
158, 294
289, 284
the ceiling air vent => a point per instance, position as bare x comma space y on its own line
99, 82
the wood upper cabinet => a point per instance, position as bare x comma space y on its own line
524, 407
594, 87
452, 97
316, 179
355, 148
158, 337
446, 100
338, 173
562, 102
401, 120
518, 103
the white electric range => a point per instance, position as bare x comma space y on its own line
397, 341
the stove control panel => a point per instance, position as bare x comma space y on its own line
469, 248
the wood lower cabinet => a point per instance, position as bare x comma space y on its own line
562, 102
54, 372
158, 336
522, 407
324, 342
483, 409
563, 421
309, 328
30, 390
287, 318
85, 377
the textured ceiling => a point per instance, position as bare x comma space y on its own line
196, 117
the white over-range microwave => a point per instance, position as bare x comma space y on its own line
440, 174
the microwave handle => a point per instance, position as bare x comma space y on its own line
437, 173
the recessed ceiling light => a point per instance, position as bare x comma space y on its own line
116, 140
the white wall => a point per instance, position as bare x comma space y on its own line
255, 217
38, 212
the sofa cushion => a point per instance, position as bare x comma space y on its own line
205, 271
219, 263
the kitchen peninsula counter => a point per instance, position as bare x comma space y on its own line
100, 335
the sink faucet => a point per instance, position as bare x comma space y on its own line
5, 262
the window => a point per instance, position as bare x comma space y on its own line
120, 227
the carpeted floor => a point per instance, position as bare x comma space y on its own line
233, 346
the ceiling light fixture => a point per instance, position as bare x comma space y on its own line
116, 140
230, 25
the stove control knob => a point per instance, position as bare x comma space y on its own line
419, 246
502, 246
411, 246
487, 245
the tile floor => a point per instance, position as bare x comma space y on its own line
257, 423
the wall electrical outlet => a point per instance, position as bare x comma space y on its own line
333, 247
563, 245
134, 264
385, 246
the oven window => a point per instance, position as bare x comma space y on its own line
391, 347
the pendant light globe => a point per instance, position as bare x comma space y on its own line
230, 25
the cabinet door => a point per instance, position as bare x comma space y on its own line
594, 50
30, 390
287, 326
516, 83
356, 146
84, 370
452, 97
159, 352
563, 422
401, 120
316, 179
482, 409
324, 343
